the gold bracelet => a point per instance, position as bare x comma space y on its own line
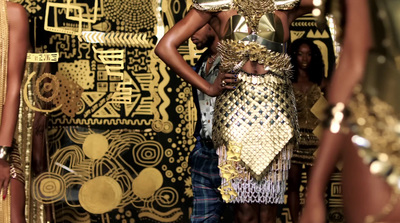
5, 153
336, 115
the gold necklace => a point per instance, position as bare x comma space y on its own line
3, 53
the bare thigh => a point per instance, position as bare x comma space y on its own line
364, 194
255, 213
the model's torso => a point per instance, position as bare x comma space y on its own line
269, 26
305, 100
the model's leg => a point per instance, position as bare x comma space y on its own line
247, 213
293, 191
268, 213
17, 191
207, 202
363, 193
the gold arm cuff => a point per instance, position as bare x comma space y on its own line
5, 153
336, 115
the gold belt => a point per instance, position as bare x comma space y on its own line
257, 79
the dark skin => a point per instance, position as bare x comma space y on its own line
183, 30
363, 193
193, 21
18, 48
206, 38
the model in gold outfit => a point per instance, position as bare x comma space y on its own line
307, 79
363, 120
255, 126
14, 46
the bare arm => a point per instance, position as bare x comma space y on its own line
167, 50
305, 7
18, 47
356, 44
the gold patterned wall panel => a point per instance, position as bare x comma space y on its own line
120, 123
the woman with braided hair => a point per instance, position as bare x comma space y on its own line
14, 44
255, 123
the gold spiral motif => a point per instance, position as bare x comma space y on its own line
148, 153
167, 197
50, 187
42, 89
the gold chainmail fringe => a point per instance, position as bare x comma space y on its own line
3, 53
5, 207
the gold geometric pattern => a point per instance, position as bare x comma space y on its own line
258, 120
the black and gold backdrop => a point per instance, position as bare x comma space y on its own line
119, 122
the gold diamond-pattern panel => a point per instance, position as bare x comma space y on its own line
257, 118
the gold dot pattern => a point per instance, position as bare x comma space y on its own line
131, 16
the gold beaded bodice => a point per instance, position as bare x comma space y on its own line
3, 53
304, 102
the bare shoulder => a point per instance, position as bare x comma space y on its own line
17, 16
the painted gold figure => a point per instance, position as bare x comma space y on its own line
14, 45
363, 119
255, 125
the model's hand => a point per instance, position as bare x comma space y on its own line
314, 210
4, 176
224, 81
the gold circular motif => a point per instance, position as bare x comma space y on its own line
187, 90
169, 174
52, 87
168, 127
181, 95
95, 146
147, 183
157, 125
169, 152
185, 165
148, 153
167, 197
179, 169
100, 195
179, 109
50, 187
